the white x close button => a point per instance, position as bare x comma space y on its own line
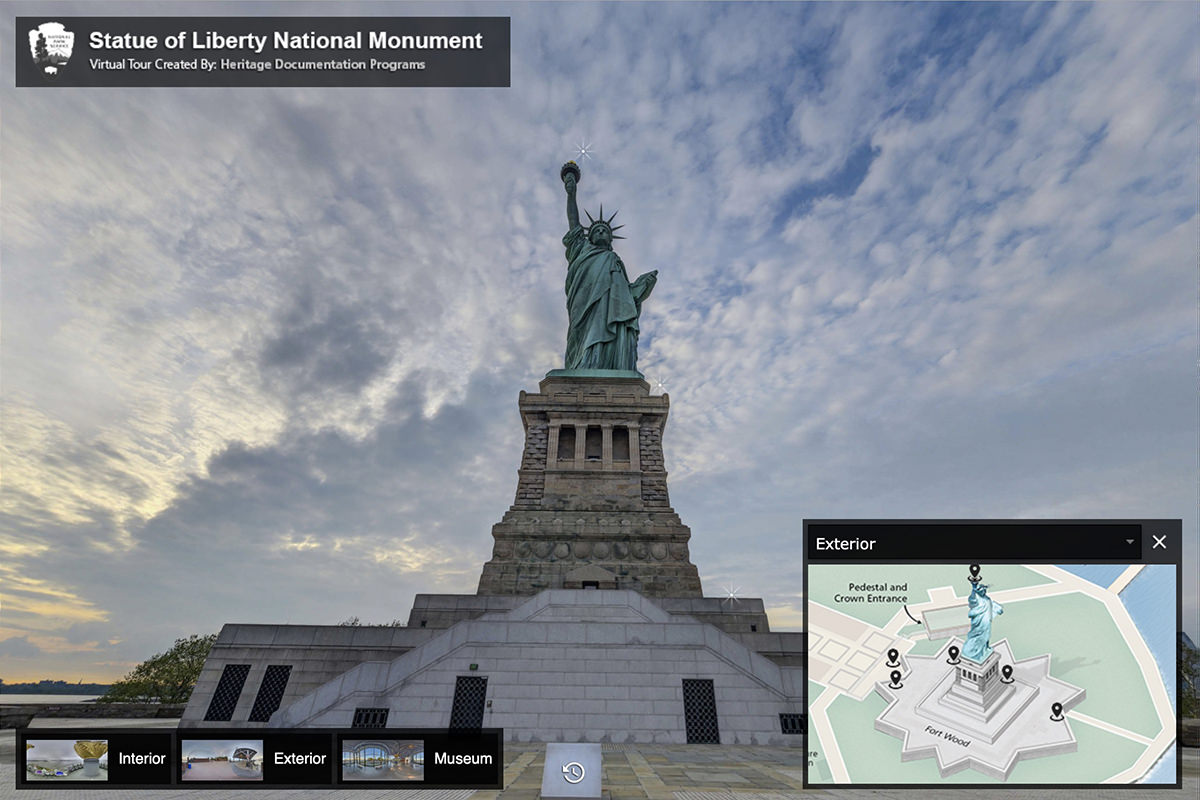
1159, 541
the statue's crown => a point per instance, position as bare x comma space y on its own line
607, 223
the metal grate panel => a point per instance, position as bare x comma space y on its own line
370, 718
791, 723
469, 694
700, 711
270, 692
229, 689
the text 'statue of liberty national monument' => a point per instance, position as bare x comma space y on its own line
602, 305
589, 622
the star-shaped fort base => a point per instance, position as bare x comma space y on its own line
1016, 721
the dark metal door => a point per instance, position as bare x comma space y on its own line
700, 711
469, 693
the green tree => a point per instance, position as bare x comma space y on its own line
165, 678
355, 622
1189, 676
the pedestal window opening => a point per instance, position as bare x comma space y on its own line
620, 443
593, 449
566, 443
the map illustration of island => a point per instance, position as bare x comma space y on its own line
1074, 688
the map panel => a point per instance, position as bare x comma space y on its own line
1071, 691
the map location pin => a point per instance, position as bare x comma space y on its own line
896, 684
893, 657
1006, 671
974, 573
952, 651
1056, 712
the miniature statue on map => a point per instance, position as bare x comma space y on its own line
981, 610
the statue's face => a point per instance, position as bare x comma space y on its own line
601, 235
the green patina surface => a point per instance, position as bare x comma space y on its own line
603, 305
595, 373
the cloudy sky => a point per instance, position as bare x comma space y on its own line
262, 348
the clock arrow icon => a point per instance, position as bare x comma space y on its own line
573, 772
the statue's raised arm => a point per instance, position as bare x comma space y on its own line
570, 177
602, 305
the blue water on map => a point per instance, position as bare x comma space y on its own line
1099, 574
1150, 600
1164, 770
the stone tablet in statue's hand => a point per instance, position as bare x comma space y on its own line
644, 284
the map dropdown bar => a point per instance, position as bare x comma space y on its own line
932, 541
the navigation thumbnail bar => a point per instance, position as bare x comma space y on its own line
260, 758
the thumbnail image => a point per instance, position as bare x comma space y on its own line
222, 760
66, 759
383, 760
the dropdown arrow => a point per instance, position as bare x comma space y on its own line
1129, 541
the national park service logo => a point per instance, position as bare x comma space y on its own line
51, 44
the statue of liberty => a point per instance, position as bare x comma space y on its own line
602, 305
981, 610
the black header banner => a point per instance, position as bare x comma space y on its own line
1015, 541
263, 51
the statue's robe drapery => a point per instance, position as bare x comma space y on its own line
981, 610
602, 306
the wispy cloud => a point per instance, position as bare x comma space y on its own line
918, 260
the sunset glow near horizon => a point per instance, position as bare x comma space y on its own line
262, 347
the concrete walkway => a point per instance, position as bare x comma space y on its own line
704, 772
